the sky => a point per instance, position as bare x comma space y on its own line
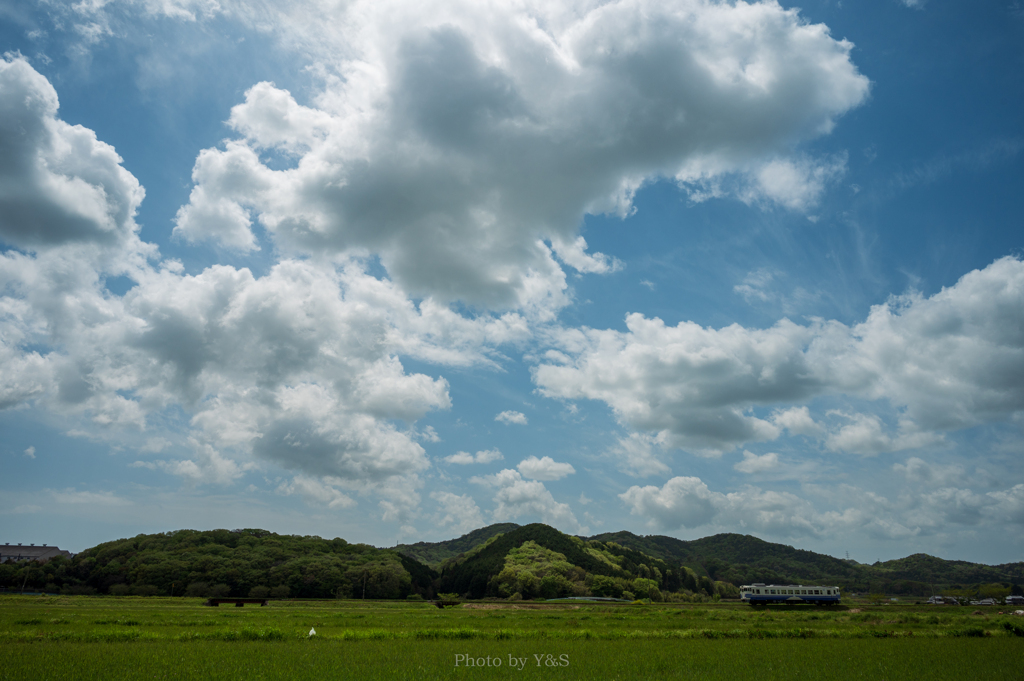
393, 271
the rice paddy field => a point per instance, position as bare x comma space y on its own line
165, 638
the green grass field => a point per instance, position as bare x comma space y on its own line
163, 638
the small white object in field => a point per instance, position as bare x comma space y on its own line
312, 631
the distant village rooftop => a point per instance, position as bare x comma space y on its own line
19, 552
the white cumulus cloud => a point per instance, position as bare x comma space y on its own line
58, 184
637, 455
457, 512
515, 498
945, 362
297, 368
511, 417
483, 456
464, 142
544, 468
317, 492
752, 463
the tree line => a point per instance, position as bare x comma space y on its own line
248, 562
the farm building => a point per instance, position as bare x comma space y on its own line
42, 553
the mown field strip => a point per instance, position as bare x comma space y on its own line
464, 634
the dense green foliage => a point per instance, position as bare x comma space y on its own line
499, 561
742, 559
228, 563
433, 554
570, 564
921, 567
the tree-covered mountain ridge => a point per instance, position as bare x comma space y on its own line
744, 559
502, 561
435, 553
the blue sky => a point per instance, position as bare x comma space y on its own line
393, 271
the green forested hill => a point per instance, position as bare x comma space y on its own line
229, 562
537, 560
503, 560
743, 559
921, 567
435, 553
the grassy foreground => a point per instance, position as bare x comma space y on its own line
110, 638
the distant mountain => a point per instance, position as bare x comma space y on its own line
743, 559
435, 553
731, 558
921, 567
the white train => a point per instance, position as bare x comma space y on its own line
789, 594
